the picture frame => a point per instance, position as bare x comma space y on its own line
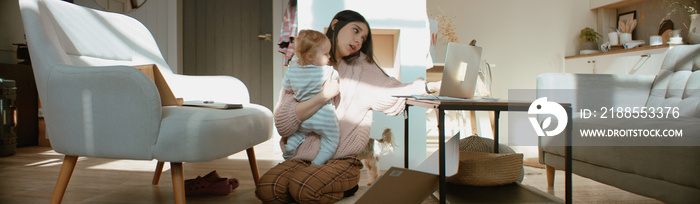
626, 16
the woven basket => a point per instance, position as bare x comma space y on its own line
487, 169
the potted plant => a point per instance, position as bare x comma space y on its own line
590, 39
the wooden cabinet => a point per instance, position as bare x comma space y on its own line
582, 65
644, 60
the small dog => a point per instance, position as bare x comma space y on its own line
374, 149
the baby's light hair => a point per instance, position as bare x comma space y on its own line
305, 42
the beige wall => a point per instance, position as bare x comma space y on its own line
11, 31
522, 38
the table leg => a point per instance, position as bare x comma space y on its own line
441, 142
405, 137
496, 145
568, 162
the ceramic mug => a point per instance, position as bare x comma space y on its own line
675, 40
676, 33
625, 38
613, 38
655, 40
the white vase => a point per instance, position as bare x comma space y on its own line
694, 30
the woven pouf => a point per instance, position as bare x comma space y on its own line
479, 166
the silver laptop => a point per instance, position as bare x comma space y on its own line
459, 75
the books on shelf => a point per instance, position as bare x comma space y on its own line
212, 104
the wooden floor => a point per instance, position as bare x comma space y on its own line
29, 176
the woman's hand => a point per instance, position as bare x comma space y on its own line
331, 88
306, 109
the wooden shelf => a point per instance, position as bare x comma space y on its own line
386, 42
612, 4
611, 52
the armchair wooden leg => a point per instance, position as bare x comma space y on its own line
178, 182
63, 178
159, 171
550, 175
253, 165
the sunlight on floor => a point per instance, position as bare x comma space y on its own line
45, 163
50, 162
268, 150
50, 153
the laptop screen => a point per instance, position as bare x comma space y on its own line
459, 75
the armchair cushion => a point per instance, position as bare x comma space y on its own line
209, 88
678, 82
191, 133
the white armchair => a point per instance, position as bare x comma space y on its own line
97, 105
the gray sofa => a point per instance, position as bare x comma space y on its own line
668, 171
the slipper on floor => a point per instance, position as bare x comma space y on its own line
211, 177
233, 182
202, 186
210, 184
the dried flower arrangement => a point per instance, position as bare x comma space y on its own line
446, 27
675, 5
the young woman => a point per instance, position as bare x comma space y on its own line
363, 87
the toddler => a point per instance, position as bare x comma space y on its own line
305, 79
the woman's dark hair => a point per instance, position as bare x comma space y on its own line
345, 17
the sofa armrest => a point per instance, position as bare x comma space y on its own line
594, 91
224, 89
111, 112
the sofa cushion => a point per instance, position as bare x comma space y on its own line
678, 82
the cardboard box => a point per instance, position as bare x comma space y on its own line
401, 185
167, 98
